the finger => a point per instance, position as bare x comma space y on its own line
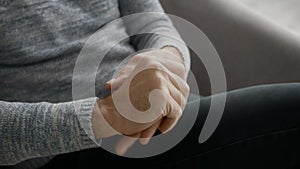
130, 66
177, 95
180, 84
108, 85
125, 70
115, 84
147, 134
125, 143
174, 113
175, 67
135, 59
119, 78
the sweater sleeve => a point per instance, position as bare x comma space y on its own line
150, 27
30, 130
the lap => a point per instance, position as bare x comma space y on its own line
259, 128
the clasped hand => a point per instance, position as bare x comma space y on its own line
162, 71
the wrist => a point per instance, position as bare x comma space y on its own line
101, 121
174, 51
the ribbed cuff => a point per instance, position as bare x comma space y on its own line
84, 111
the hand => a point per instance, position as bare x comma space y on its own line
158, 69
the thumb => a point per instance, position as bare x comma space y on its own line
125, 143
115, 83
108, 85
147, 134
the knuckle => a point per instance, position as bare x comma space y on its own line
183, 101
178, 112
188, 89
147, 59
151, 63
138, 57
155, 65
184, 88
181, 67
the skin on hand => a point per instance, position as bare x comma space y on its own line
157, 69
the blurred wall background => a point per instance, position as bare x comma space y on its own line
258, 41
284, 12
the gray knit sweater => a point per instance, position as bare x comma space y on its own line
40, 41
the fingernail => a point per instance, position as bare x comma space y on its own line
164, 131
108, 82
145, 141
120, 152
